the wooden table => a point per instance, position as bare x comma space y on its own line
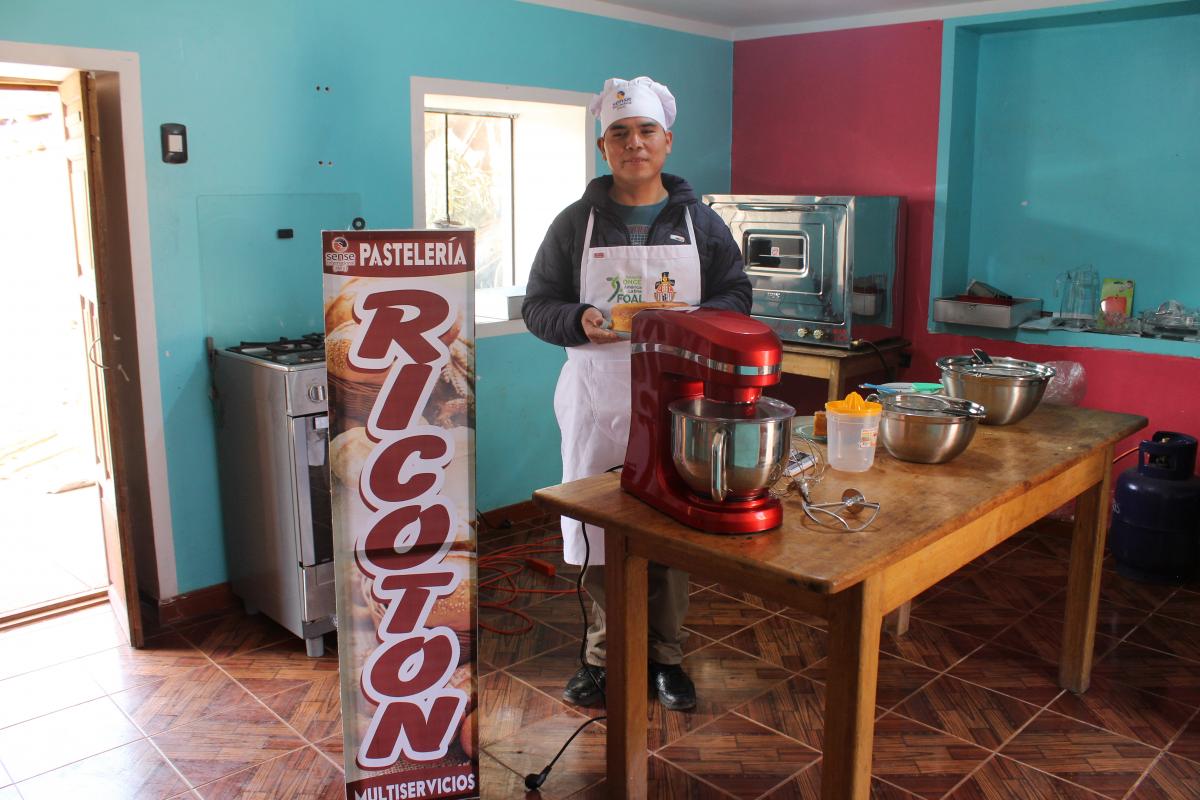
934, 519
839, 365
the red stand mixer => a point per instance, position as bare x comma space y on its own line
704, 445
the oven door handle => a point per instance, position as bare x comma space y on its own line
752, 207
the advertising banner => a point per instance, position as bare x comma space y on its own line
400, 352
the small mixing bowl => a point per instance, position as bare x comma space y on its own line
926, 428
1008, 388
730, 451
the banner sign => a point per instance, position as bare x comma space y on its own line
400, 352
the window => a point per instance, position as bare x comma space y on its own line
503, 160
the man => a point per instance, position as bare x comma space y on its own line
634, 235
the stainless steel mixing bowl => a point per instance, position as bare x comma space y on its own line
926, 428
730, 451
1008, 388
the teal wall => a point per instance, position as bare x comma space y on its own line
1071, 136
242, 77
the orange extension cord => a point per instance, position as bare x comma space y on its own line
499, 569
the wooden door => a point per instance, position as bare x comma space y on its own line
96, 311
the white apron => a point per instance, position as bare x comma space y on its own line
592, 398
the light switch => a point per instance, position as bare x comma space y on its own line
174, 143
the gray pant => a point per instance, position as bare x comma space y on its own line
668, 594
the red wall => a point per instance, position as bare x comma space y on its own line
856, 112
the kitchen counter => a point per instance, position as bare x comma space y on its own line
933, 520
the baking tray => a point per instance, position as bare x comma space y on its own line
987, 315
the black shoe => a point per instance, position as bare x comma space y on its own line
675, 689
582, 689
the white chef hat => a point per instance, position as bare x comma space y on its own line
640, 97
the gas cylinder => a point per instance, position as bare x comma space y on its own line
1155, 530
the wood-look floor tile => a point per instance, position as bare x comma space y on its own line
747, 597
807, 786
1116, 588
531, 748
333, 747
232, 634
278, 667
45, 691
1187, 744
508, 706
498, 782
1004, 779
1169, 635
43, 644
125, 667
795, 708
1153, 671
716, 615
504, 593
930, 645
1042, 636
739, 756
315, 709
550, 672
1091, 757
724, 678
1171, 778
663, 782
227, 742
303, 775
782, 641
560, 612
1111, 619
1016, 673
1125, 710
1049, 544
812, 620
168, 703
967, 614
506, 649
1033, 566
968, 711
134, 771
1184, 605
45, 743
1006, 590
896, 678
921, 760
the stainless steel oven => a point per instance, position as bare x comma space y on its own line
273, 454
825, 269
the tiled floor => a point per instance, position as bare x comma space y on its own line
968, 703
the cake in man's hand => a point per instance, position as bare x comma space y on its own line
622, 313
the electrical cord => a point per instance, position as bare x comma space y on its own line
887, 369
534, 780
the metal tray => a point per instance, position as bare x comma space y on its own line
987, 315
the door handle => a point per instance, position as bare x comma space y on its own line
781, 207
91, 354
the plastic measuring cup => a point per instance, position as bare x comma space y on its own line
853, 429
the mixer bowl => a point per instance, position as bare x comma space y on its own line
1008, 388
730, 451
927, 429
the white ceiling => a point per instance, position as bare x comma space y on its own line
755, 19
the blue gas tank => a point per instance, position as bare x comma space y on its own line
1155, 530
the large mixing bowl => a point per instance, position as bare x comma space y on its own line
927, 428
1008, 388
730, 451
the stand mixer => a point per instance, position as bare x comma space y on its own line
705, 446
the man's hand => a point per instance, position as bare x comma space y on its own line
593, 327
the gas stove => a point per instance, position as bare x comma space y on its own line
308, 349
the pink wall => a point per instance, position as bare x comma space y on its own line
856, 112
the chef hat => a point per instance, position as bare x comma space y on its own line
640, 97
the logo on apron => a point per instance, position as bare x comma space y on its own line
664, 288
626, 288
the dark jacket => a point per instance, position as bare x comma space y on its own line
552, 310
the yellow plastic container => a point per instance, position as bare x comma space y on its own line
853, 431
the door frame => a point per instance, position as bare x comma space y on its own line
18, 56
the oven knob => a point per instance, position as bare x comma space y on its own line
802, 332
818, 334
316, 393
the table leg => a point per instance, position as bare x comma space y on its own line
835, 379
896, 623
1083, 583
625, 613
855, 617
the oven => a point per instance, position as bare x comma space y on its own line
825, 270
272, 426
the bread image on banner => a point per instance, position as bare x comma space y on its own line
400, 356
